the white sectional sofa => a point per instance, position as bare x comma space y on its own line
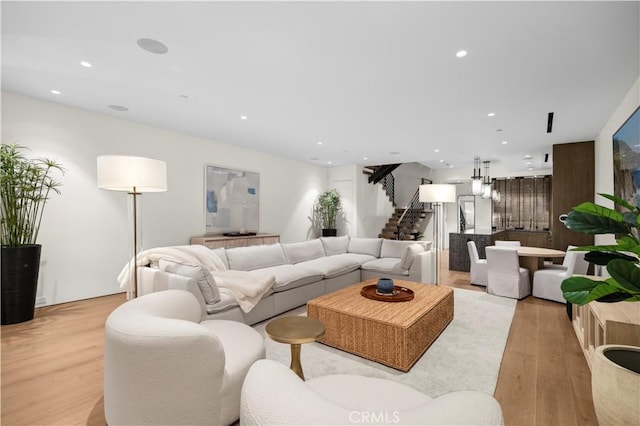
302, 271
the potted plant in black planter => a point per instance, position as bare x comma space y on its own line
615, 369
25, 185
327, 207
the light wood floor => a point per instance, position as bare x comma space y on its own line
51, 368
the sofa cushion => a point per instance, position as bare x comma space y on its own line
359, 258
370, 246
227, 300
255, 257
409, 254
203, 277
304, 250
386, 265
332, 266
335, 245
222, 254
291, 276
394, 248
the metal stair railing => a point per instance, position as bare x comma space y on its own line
411, 216
389, 186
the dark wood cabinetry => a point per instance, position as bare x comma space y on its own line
573, 183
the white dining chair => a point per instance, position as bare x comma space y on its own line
478, 271
503, 243
547, 281
505, 277
580, 267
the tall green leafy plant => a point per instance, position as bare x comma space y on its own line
620, 259
25, 185
328, 205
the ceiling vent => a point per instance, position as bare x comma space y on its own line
152, 46
549, 122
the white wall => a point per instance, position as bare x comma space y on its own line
85, 231
604, 151
407, 179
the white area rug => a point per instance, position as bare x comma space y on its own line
466, 356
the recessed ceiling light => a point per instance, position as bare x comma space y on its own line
152, 46
364, 158
436, 150
319, 143
56, 92
461, 53
329, 162
528, 164
243, 117
118, 108
86, 64
442, 161
491, 114
530, 168
527, 157
451, 166
504, 142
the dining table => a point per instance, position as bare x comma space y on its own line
532, 258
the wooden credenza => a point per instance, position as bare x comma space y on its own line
217, 241
599, 324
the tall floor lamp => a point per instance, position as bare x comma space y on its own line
134, 175
437, 194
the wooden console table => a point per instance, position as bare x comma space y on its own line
598, 324
217, 241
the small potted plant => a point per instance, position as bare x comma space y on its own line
327, 206
25, 185
615, 368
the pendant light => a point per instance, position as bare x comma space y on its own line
476, 179
486, 186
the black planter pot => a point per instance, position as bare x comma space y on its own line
329, 232
20, 267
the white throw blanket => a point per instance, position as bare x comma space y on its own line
247, 288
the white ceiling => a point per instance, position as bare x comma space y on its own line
367, 79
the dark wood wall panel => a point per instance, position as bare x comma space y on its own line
573, 183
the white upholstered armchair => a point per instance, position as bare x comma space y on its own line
273, 395
163, 366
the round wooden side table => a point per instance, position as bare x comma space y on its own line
295, 331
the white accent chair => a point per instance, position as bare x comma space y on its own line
503, 243
273, 395
505, 277
478, 273
163, 366
547, 281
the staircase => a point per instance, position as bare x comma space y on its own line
383, 174
397, 228
404, 223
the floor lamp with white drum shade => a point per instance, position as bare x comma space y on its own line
438, 194
135, 175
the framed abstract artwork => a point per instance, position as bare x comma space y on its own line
232, 200
626, 160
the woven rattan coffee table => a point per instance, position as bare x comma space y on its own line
393, 334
